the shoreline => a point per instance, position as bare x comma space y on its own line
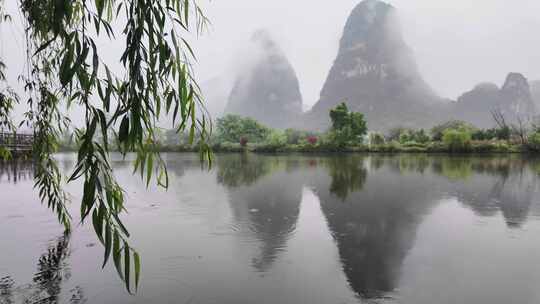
386, 149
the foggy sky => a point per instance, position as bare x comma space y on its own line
457, 43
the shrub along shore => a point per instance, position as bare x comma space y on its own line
349, 134
393, 147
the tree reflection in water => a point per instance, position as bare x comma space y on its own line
486, 184
348, 175
16, 170
506, 184
46, 287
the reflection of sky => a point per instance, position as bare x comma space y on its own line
477, 260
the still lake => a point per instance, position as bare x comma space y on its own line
412, 229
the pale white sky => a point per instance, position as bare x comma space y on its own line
458, 43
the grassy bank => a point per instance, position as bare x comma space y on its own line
348, 133
475, 147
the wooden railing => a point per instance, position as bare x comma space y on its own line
17, 142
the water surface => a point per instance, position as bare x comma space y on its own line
294, 229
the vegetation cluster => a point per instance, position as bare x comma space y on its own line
350, 133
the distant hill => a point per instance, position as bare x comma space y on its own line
268, 89
375, 73
513, 100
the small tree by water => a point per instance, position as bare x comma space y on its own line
457, 140
347, 126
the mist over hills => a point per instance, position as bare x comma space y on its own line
268, 89
375, 73
513, 100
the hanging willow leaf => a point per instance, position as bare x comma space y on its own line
137, 264
124, 129
127, 266
108, 244
117, 254
65, 68
149, 168
98, 225
100, 5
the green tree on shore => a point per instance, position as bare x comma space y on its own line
347, 126
234, 128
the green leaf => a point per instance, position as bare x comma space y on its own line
117, 254
137, 262
127, 266
100, 4
149, 167
78, 172
124, 129
186, 12
189, 48
122, 227
103, 122
65, 67
108, 245
98, 225
91, 129
45, 45
88, 198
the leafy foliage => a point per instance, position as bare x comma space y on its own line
410, 135
295, 137
394, 133
437, 132
232, 128
534, 141
65, 68
490, 134
277, 138
376, 139
347, 126
457, 140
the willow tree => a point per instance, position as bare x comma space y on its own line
65, 67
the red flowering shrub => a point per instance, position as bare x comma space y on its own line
312, 140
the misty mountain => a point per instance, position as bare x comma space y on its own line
268, 89
513, 100
375, 73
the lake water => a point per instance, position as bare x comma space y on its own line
294, 229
